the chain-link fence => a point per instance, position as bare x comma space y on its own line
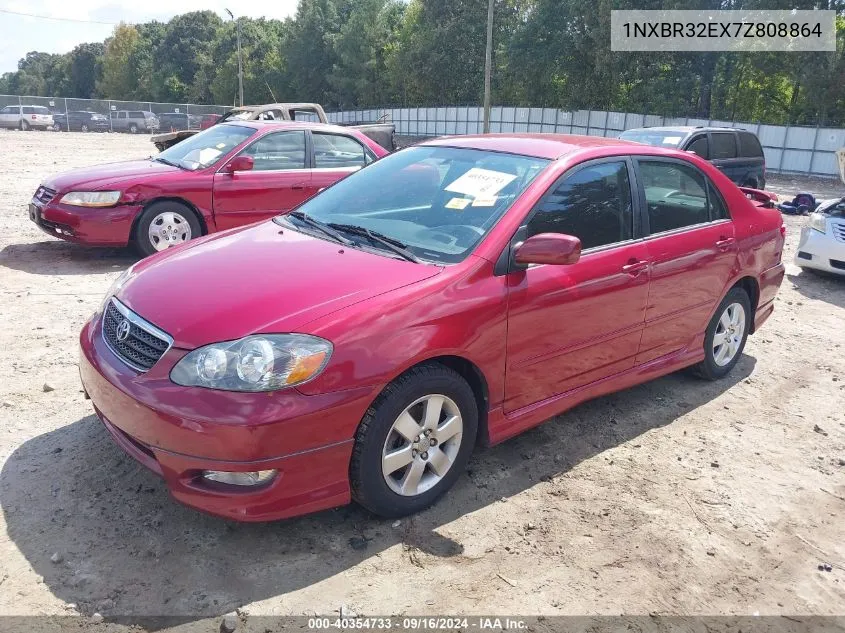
72, 115
789, 149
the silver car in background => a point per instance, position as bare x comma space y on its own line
26, 117
822, 245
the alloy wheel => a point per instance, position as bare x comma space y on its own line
422, 445
168, 229
729, 334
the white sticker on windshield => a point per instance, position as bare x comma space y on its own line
671, 140
481, 183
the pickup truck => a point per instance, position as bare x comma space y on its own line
381, 132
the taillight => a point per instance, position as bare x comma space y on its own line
783, 231
33, 117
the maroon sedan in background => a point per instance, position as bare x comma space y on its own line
227, 176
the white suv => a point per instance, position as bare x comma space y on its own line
822, 245
25, 117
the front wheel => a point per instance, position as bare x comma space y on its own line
414, 441
726, 335
84, 127
163, 225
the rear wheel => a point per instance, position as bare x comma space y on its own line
414, 441
84, 127
752, 183
24, 125
726, 335
133, 129
163, 225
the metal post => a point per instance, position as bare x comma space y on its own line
488, 66
813, 151
67, 117
111, 124
240, 61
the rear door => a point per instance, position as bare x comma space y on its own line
9, 116
753, 160
335, 156
724, 155
692, 249
280, 180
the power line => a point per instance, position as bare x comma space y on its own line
49, 17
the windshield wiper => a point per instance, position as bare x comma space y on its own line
159, 159
389, 243
320, 226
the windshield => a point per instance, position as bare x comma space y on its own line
660, 138
206, 148
436, 202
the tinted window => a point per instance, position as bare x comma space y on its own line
723, 145
718, 210
9, 110
593, 204
675, 194
660, 138
333, 150
749, 146
699, 146
282, 150
28, 110
136, 114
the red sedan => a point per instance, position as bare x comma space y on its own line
227, 176
460, 291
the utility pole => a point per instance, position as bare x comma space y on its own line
240, 61
488, 67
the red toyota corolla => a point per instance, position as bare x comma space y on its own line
460, 291
227, 176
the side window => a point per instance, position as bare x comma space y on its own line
718, 210
281, 150
593, 204
28, 110
335, 150
723, 145
699, 146
749, 146
8, 110
675, 195
121, 114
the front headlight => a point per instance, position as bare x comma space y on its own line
818, 221
263, 362
91, 198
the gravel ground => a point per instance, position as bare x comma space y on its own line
674, 497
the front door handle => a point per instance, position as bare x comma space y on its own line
725, 243
635, 267
297, 187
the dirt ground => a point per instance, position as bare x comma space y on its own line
674, 497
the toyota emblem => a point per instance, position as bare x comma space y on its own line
123, 330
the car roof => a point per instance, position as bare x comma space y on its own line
550, 146
685, 129
290, 125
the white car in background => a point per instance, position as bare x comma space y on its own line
822, 245
26, 117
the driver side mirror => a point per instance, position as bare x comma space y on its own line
239, 163
549, 248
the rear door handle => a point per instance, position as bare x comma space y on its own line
725, 242
635, 267
297, 187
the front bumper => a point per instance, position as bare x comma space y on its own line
109, 226
178, 432
820, 251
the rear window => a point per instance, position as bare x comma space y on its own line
722, 145
749, 146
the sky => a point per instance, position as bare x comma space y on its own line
19, 34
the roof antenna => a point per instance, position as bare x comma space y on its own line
271, 91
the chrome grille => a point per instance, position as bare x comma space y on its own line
838, 230
135, 341
44, 194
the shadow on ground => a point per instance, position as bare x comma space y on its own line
129, 549
64, 258
820, 285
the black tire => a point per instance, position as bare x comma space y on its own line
752, 183
141, 240
24, 126
84, 127
369, 487
709, 368
133, 129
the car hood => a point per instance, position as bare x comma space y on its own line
260, 278
108, 175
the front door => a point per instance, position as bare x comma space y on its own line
279, 181
693, 251
571, 325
